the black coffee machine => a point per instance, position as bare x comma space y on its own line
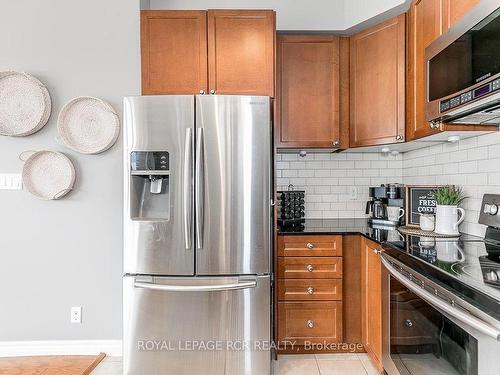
381, 197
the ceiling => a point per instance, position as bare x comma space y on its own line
345, 16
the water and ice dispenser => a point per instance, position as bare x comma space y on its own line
149, 185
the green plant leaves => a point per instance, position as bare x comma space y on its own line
449, 195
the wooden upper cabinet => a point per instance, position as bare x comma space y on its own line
241, 51
453, 10
424, 26
174, 52
371, 290
377, 84
308, 91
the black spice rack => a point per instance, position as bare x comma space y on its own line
291, 210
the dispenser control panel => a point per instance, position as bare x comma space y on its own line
149, 161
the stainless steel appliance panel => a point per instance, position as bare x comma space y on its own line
233, 185
422, 332
167, 319
160, 244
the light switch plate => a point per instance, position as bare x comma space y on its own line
353, 193
11, 181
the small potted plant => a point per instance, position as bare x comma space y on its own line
447, 200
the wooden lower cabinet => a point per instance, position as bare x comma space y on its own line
307, 246
309, 267
314, 322
371, 301
309, 292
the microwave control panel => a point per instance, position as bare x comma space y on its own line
446, 105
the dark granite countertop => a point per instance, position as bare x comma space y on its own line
345, 226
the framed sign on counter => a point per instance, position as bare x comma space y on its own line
419, 200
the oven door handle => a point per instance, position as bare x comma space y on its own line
465, 318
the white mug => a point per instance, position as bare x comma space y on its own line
394, 213
427, 222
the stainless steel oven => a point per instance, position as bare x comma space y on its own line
429, 330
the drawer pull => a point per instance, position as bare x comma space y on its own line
310, 268
310, 246
310, 324
310, 290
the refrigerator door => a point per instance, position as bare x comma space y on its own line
196, 325
158, 208
233, 185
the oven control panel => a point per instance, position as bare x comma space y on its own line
490, 210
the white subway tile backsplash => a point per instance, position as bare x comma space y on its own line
472, 163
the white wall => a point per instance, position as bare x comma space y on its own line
65, 253
297, 14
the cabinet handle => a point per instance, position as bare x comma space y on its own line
399, 137
336, 143
310, 324
310, 290
434, 124
377, 251
212, 92
202, 92
408, 323
310, 246
310, 268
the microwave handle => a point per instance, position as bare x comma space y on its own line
435, 301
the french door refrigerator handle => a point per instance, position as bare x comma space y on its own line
187, 201
199, 194
447, 308
196, 288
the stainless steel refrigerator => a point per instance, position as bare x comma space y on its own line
197, 235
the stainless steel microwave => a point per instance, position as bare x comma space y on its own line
463, 69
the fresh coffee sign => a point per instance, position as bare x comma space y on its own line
419, 200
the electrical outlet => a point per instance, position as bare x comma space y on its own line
76, 314
353, 193
11, 181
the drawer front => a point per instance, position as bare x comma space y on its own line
309, 290
310, 321
306, 246
310, 268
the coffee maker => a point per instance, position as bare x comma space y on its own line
381, 197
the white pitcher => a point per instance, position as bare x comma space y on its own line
447, 220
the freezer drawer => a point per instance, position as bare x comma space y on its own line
197, 325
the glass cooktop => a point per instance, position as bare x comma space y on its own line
468, 265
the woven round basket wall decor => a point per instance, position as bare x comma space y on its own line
47, 174
88, 125
24, 104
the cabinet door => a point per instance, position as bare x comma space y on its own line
378, 84
371, 284
241, 51
424, 26
453, 10
307, 91
174, 52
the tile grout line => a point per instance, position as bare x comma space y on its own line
317, 364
